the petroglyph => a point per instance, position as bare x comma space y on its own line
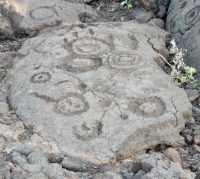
42, 13
97, 91
85, 133
81, 65
89, 46
192, 15
71, 104
40, 77
147, 107
125, 62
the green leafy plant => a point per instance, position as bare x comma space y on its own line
181, 73
126, 4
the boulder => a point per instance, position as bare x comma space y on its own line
158, 7
27, 17
183, 22
142, 16
96, 92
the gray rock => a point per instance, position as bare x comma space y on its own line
20, 148
128, 175
155, 6
18, 159
72, 165
6, 59
156, 165
162, 11
57, 158
159, 22
197, 138
39, 175
135, 166
54, 171
2, 144
192, 94
108, 175
173, 155
186, 132
139, 175
18, 173
188, 139
4, 170
4, 108
5, 28
195, 166
32, 16
35, 158
183, 23
142, 16
104, 70
182, 152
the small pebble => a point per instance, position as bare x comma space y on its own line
197, 139
188, 139
192, 94
182, 152
173, 155
196, 148
127, 175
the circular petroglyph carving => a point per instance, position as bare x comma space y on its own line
40, 77
90, 46
71, 104
124, 62
42, 13
191, 15
86, 133
147, 107
81, 65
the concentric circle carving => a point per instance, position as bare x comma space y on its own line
40, 77
147, 107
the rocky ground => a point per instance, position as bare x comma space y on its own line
32, 146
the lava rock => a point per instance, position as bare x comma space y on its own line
197, 138
189, 139
72, 165
139, 175
4, 108
186, 131
173, 155
127, 175
192, 94
159, 22
4, 170
142, 16
135, 166
195, 166
57, 158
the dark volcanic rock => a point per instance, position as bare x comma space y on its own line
183, 21
142, 16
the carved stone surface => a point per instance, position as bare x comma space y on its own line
96, 92
30, 16
183, 21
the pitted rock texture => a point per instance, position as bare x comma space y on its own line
33, 15
183, 22
96, 92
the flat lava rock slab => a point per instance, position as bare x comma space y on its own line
33, 15
96, 92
